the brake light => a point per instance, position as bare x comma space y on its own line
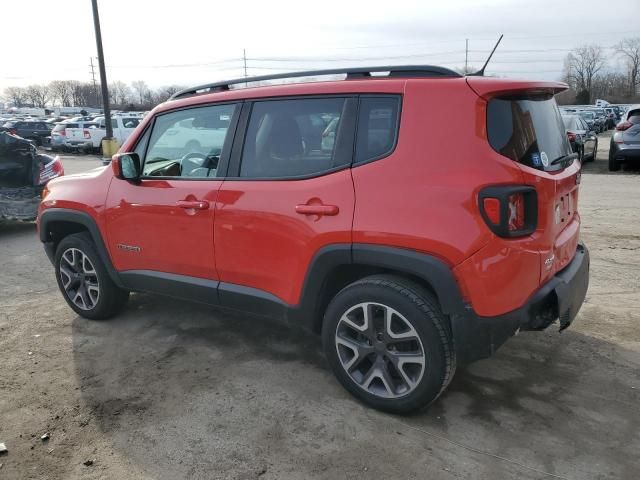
622, 126
63, 132
509, 210
86, 134
492, 209
516, 212
13, 131
51, 170
571, 136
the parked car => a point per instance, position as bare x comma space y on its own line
60, 134
407, 269
592, 121
89, 137
36, 131
601, 115
583, 140
23, 175
625, 141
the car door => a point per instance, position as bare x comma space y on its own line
285, 198
164, 222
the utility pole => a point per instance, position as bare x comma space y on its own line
93, 78
466, 55
109, 144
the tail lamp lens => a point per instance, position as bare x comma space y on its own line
571, 136
622, 126
509, 210
86, 134
516, 212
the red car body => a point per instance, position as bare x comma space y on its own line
263, 238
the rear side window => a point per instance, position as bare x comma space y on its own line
528, 130
292, 138
634, 116
377, 127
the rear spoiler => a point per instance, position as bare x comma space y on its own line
487, 87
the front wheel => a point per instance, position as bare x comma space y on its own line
84, 281
389, 343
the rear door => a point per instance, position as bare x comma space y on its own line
528, 128
288, 194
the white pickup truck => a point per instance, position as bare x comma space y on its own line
90, 139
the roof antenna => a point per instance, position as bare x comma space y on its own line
480, 73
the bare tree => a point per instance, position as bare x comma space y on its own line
164, 93
120, 93
582, 65
141, 89
62, 90
38, 95
629, 48
16, 95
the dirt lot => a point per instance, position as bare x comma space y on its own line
173, 390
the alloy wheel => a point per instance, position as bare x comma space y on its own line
79, 279
380, 350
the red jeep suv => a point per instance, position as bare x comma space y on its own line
411, 243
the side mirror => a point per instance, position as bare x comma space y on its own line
126, 166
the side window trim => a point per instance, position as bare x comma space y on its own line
347, 146
396, 134
226, 147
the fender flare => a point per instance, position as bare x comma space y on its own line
424, 266
52, 215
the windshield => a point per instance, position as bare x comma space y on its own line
528, 130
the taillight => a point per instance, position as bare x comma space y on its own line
508, 210
13, 131
63, 133
516, 212
51, 170
571, 136
622, 126
86, 134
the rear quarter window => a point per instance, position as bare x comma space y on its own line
528, 130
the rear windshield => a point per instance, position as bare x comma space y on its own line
528, 130
634, 116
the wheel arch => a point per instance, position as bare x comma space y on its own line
58, 223
336, 266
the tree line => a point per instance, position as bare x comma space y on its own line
586, 70
73, 93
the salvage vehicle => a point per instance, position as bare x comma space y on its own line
23, 175
583, 140
36, 131
408, 256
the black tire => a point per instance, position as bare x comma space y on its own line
420, 309
594, 153
110, 298
614, 165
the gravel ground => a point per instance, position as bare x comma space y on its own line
174, 390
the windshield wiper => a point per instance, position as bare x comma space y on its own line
565, 158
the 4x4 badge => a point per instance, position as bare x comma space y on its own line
128, 248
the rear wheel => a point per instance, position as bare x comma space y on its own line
84, 280
388, 343
614, 165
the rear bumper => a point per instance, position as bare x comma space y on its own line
560, 298
622, 152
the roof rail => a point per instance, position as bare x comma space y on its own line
351, 73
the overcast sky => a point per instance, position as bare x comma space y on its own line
194, 41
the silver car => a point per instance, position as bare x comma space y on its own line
625, 142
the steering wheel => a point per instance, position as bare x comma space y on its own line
188, 162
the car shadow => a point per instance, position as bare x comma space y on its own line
9, 228
184, 390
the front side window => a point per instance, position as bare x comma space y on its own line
290, 138
377, 127
188, 143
